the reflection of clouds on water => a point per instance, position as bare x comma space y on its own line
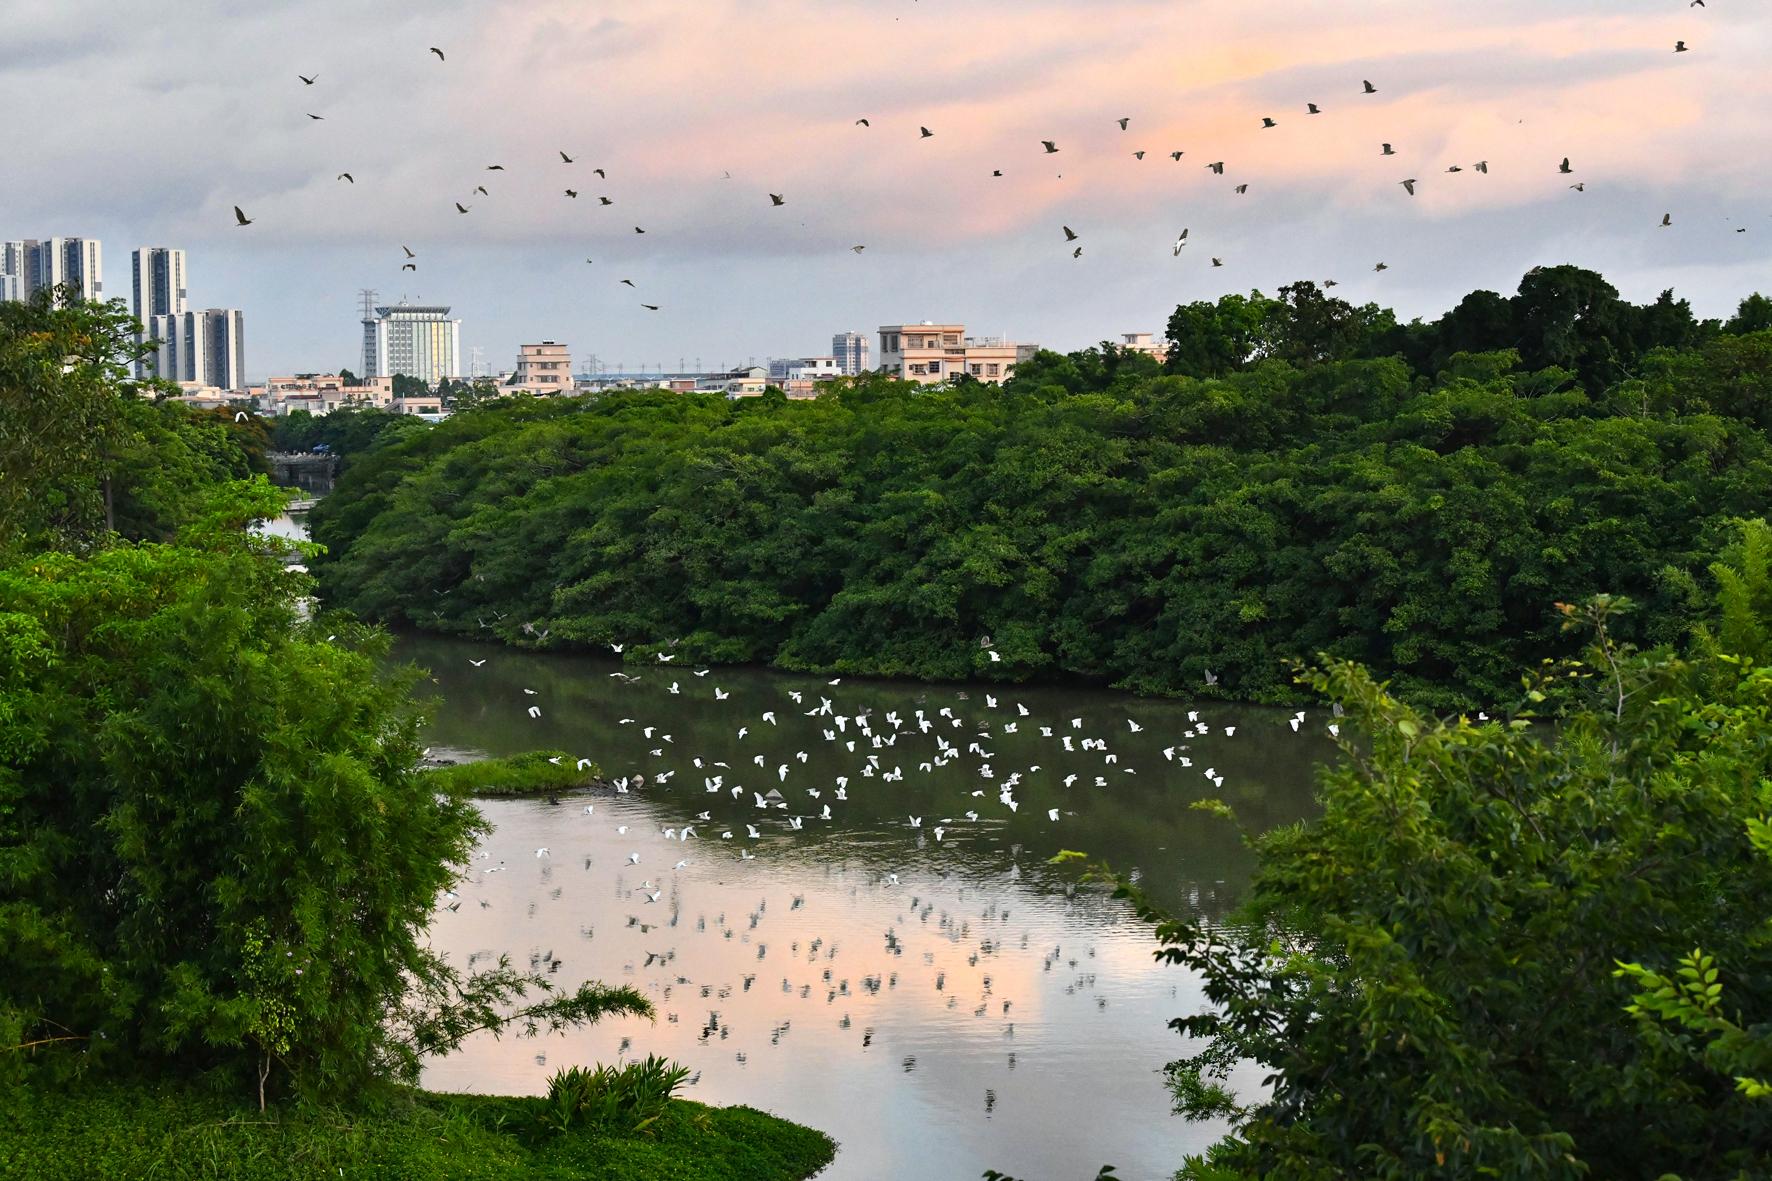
854, 974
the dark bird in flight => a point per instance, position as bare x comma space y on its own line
1243, 188
629, 282
1123, 123
1138, 155
409, 253
1667, 219
1070, 235
1408, 186
1077, 253
565, 159
996, 172
481, 189
1176, 155
601, 173
1049, 146
411, 266
1266, 122
495, 168
858, 249
1579, 186
1679, 47
439, 53
1368, 87
1454, 168
1482, 166
240, 218
605, 201
1218, 262
316, 118
1217, 166
347, 176
775, 199
460, 208
308, 80
1332, 282
1383, 266
863, 123
924, 133
572, 192
638, 230
1180, 241
1311, 109
1564, 166
651, 307
1388, 150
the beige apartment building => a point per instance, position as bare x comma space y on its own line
929, 353
544, 368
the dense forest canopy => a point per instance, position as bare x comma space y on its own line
1302, 476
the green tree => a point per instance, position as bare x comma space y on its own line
1754, 315
1213, 339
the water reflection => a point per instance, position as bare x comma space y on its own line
939, 1006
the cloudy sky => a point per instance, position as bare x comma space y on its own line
144, 124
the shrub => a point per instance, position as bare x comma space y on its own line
624, 1099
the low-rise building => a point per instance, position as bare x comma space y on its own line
1141, 342
544, 368
929, 353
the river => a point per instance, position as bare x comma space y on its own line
890, 958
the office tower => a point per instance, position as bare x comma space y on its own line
17, 260
412, 339
851, 351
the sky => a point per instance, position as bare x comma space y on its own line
145, 124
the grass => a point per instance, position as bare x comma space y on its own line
169, 1132
528, 774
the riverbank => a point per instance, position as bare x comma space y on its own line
177, 1132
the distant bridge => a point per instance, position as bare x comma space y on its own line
303, 469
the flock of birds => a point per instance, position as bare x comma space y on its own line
677, 822
1072, 238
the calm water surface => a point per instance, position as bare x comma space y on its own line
879, 950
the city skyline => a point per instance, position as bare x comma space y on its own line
1648, 131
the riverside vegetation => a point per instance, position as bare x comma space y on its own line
1304, 476
219, 854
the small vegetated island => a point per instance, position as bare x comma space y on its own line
218, 851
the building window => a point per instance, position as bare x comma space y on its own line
950, 340
990, 370
935, 368
976, 368
917, 369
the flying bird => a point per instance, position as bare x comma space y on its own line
1408, 186
776, 199
863, 123
1382, 267
1243, 188
1454, 168
308, 80
924, 133
1387, 150
439, 53
1564, 166
996, 172
572, 192
1579, 186
1218, 262
347, 176
638, 230
629, 282
651, 307
1266, 122
1482, 166
1049, 146
495, 168
858, 249
240, 218
460, 208
1070, 235
1077, 253
605, 201
1138, 155
411, 266
1123, 123
565, 159
1679, 47
408, 251
481, 189
1667, 219
601, 173
1217, 166
1311, 109
1180, 241
1368, 87
1176, 155
316, 118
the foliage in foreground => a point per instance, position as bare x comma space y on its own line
536, 772
628, 1098
161, 1132
1409, 502
1426, 975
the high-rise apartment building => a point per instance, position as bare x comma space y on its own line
200, 348
851, 351
157, 287
417, 340
77, 263
17, 260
